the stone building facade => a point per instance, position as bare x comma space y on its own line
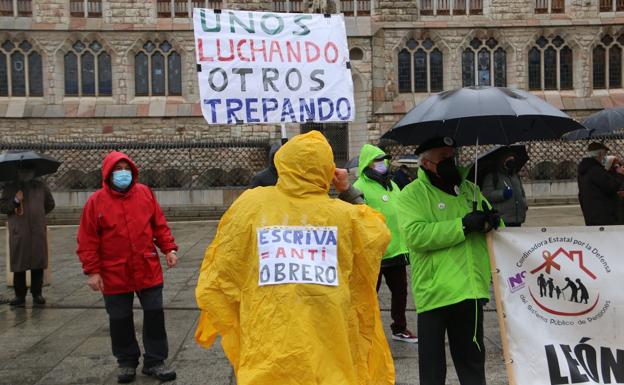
566, 51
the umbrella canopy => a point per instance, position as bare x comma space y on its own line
602, 124
493, 115
10, 161
352, 163
605, 121
490, 160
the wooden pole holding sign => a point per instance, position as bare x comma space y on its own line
500, 312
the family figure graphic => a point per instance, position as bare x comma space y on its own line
548, 289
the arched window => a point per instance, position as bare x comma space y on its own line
607, 63
356, 54
88, 70
484, 63
157, 70
420, 67
550, 65
21, 71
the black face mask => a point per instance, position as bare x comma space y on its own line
448, 172
510, 165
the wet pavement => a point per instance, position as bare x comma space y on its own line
67, 342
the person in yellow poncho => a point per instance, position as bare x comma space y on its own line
289, 280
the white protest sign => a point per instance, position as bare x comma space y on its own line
267, 67
298, 254
561, 290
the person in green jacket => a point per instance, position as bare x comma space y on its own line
381, 193
450, 263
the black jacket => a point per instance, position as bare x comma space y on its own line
267, 176
598, 193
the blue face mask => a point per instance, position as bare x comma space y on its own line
122, 179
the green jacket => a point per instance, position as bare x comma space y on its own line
447, 266
380, 199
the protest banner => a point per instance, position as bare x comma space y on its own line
559, 297
267, 67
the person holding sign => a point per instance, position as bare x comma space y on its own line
381, 193
450, 263
289, 279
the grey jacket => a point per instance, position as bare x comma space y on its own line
512, 210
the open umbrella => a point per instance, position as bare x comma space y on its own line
352, 163
482, 115
490, 160
10, 161
606, 123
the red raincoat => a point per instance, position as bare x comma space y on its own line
119, 231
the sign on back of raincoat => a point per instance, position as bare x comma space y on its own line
289, 280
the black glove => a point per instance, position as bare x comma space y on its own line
493, 218
475, 222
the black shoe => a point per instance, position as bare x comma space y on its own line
38, 299
160, 372
126, 375
18, 301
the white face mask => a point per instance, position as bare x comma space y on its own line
380, 166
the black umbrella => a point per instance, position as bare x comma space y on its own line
605, 121
482, 115
10, 161
603, 124
352, 163
490, 160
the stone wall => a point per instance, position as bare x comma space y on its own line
126, 25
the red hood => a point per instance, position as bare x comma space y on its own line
109, 162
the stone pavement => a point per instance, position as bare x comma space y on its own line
67, 342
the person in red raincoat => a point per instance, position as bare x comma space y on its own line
120, 227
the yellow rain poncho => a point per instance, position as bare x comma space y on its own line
289, 280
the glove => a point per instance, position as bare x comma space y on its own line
507, 192
493, 218
474, 222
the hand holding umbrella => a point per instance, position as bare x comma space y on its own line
19, 200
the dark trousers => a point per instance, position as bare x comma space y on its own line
125, 346
396, 279
468, 355
36, 283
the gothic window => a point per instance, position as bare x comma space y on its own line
611, 5
484, 63
88, 70
16, 8
420, 67
550, 65
451, 7
607, 63
549, 6
21, 70
158, 70
184, 8
85, 8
